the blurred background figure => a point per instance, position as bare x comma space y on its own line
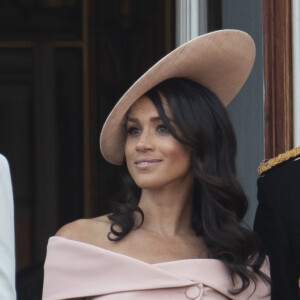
7, 236
277, 221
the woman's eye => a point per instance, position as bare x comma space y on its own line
133, 131
162, 129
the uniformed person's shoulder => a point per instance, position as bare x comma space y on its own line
91, 231
277, 162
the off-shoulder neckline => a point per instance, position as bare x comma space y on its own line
190, 260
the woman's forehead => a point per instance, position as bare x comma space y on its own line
144, 105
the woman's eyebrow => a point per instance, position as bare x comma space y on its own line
135, 120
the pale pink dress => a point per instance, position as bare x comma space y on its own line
75, 269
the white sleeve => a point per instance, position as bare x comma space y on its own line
7, 236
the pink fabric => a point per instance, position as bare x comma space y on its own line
76, 269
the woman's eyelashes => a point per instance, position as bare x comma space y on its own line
135, 131
162, 129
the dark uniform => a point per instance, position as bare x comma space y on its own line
277, 221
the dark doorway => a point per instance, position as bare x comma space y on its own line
63, 65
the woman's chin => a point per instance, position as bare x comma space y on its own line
149, 184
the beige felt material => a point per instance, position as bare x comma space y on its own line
221, 61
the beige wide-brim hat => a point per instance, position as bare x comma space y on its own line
221, 61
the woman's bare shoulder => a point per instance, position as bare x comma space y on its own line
92, 231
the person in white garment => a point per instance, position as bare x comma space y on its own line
7, 236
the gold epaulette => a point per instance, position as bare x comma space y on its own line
267, 164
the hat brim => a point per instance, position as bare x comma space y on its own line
220, 60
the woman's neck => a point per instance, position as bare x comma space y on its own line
167, 212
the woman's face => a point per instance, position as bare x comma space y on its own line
155, 159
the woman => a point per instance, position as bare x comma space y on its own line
174, 232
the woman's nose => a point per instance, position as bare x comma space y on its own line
144, 142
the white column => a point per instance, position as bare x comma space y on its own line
191, 19
296, 70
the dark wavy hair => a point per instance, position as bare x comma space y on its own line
219, 203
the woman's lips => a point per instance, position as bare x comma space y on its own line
145, 163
